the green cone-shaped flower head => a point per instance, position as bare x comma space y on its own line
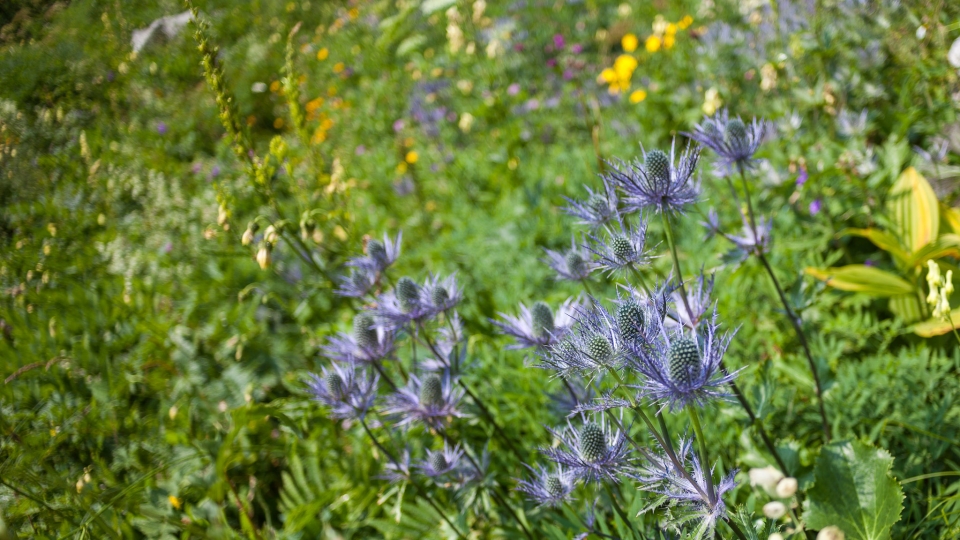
438, 461
599, 349
630, 321
658, 166
622, 248
736, 130
439, 295
335, 385
593, 445
554, 486
364, 332
431, 391
408, 294
377, 250
576, 265
684, 360
542, 318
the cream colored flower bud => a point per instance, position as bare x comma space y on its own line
222, 215
775, 536
271, 235
263, 256
786, 487
765, 478
830, 533
247, 237
774, 510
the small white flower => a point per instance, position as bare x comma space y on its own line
786, 487
831, 533
954, 55
774, 510
921, 32
766, 478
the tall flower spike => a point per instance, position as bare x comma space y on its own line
598, 209
678, 370
664, 183
547, 488
623, 247
441, 462
439, 295
430, 400
593, 452
538, 326
574, 265
348, 393
380, 255
734, 141
369, 342
685, 492
591, 348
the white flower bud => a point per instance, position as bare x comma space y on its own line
271, 235
830, 533
263, 256
766, 478
774, 510
786, 487
247, 237
775, 536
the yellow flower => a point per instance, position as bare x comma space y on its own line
608, 76
629, 42
275, 86
411, 157
671, 30
669, 40
711, 101
175, 501
338, 67
278, 123
653, 44
638, 95
401, 167
624, 66
685, 22
323, 53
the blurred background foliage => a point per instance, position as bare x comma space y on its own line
152, 370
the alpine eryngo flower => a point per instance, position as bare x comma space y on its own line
734, 141
755, 239
348, 393
367, 343
399, 470
403, 305
662, 182
698, 300
592, 347
547, 488
593, 452
636, 312
574, 265
686, 492
356, 284
538, 326
380, 255
678, 369
623, 247
441, 462
430, 400
598, 209
440, 295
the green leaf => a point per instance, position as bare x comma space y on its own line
882, 240
937, 327
853, 490
862, 278
915, 210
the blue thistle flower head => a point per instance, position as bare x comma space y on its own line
548, 487
598, 209
441, 462
438, 295
534, 328
622, 247
733, 140
430, 400
369, 342
347, 392
592, 451
356, 284
684, 491
407, 303
380, 254
592, 347
662, 182
679, 369
573, 265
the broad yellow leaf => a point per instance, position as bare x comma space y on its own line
864, 279
915, 210
882, 240
951, 216
937, 327
907, 307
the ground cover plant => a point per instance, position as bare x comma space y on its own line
467, 269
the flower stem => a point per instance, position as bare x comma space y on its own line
586, 287
704, 455
617, 508
676, 261
639, 277
736, 530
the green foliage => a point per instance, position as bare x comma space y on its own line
853, 490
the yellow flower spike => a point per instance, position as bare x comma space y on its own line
411, 157
653, 44
933, 281
175, 501
638, 95
629, 42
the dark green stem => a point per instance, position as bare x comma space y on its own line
676, 261
704, 455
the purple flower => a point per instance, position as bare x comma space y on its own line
662, 182
567, 74
367, 343
513, 89
815, 207
348, 393
558, 41
698, 298
802, 177
594, 346
441, 462
355, 284
598, 209
161, 128
196, 168
622, 248
551, 62
430, 401
594, 452
547, 488
399, 470
574, 265
440, 295
215, 171
576, 48
360, 150
380, 255
398, 125
734, 141
539, 326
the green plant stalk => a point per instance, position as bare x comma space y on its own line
586, 287
640, 279
617, 508
420, 491
704, 453
790, 314
668, 230
736, 530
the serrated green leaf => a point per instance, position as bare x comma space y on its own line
854, 491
